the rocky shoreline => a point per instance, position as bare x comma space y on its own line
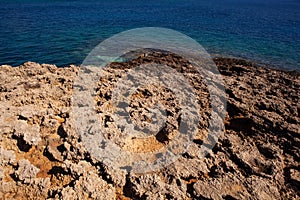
257, 157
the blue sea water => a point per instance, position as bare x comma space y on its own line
63, 32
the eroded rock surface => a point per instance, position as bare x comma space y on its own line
257, 157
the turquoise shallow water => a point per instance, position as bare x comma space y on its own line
63, 32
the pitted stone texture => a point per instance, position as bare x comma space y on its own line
26, 171
7, 156
257, 157
30, 133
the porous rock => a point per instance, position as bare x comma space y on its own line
257, 157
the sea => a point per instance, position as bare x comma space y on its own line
63, 32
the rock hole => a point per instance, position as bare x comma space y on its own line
57, 170
20, 117
21, 143
229, 197
61, 132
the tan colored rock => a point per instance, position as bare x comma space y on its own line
295, 174
89, 186
30, 133
220, 189
256, 157
26, 171
7, 156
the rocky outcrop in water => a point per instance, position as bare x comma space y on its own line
257, 157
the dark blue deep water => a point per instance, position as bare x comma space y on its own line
62, 32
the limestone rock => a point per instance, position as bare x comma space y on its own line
30, 133
26, 171
94, 187
7, 156
295, 175
257, 157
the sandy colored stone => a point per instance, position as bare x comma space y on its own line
257, 157
295, 175
7, 156
26, 171
30, 133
